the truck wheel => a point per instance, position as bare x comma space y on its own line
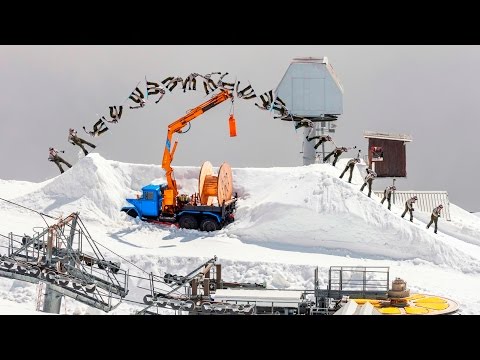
188, 222
209, 224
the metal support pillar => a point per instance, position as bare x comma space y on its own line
206, 286
393, 195
309, 155
70, 240
194, 285
51, 235
218, 274
322, 127
52, 301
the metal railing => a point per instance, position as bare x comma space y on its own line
427, 200
358, 282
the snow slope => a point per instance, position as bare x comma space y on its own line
12, 188
288, 221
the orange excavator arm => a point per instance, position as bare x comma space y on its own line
177, 126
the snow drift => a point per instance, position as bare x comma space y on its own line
306, 208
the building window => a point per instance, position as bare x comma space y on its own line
148, 195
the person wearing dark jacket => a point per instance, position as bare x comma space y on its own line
141, 104
223, 85
191, 81
435, 216
75, 140
98, 128
371, 175
321, 138
154, 88
115, 113
171, 82
208, 83
387, 195
304, 123
137, 97
409, 207
336, 154
350, 165
53, 156
247, 93
281, 109
267, 100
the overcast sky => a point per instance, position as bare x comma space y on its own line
429, 92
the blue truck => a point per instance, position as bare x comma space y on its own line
163, 204
190, 214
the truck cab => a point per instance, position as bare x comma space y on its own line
149, 205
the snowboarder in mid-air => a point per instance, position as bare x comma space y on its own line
171, 82
115, 114
225, 85
336, 154
371, 175
208, 83
350, 165
281, 108
191, 81
267, 99
387, 195
141, 104
75, 140
409, 206
435, 216
322, 138
247, 93
98, 128
154, 88
269, 102
304, 123
137, 97
54, 157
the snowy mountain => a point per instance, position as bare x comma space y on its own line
288, 221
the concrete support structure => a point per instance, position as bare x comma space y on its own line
52, 300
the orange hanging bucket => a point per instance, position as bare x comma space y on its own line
232, 125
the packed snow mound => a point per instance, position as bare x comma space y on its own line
98, 188
10, 189
305, 208
311, 207
94, 186
463, 224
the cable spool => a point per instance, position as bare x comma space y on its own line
211, 187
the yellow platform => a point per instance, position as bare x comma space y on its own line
417, 304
